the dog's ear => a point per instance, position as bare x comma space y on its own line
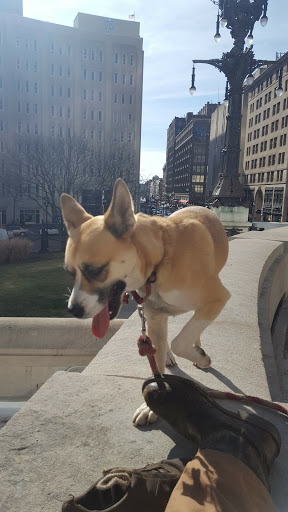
120, 218
73, 213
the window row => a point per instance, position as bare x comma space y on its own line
123, 79
265, 129
55, 48
26, 65
271, 160
270, 176
28, 128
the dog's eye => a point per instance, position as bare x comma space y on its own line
91, 273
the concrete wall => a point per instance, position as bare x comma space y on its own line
33, 349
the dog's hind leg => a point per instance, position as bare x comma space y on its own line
157, 324
212, 302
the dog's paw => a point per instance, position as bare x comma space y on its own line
200, 358
144, 416
170, 359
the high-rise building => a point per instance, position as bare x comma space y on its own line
264, 160
57, 81
187, 156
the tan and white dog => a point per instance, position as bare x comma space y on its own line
117, 252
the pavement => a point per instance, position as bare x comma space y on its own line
78, 424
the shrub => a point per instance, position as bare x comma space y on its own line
4, 251
15, 250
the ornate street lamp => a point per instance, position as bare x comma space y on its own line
192, 89
238, 16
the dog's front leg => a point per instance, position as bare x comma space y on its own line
208, 309
157, 325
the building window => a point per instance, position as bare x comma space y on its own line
69, 92
100, 135
35, 88
100, 117
52, 49
3, 217
101, 56
131, 80
29, 216
131, 60
116, 58
115, 78
60, 91
100, 76
92, 55
84, 74
52, 111
84, 94
92, 115
85, 53
52, 90
100, 96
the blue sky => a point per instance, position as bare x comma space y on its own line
172, 36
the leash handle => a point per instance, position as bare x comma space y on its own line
144, 343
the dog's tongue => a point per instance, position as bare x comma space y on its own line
100, 322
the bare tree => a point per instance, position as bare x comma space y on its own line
42, 168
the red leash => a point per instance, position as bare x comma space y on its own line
146, 348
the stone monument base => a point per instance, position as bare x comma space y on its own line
233, 217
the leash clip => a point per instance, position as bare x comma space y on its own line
143, 320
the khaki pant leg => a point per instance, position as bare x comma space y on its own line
217, 482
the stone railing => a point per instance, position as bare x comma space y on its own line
32, 349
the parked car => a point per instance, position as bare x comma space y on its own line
14, 230
3, 234
51, 228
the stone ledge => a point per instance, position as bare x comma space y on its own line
76, 424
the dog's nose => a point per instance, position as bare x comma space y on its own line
76, 310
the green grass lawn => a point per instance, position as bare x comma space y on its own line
36, 288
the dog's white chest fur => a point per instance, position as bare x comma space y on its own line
173, 303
